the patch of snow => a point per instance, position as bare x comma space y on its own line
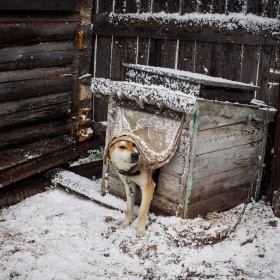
56, 235
250, 22
156, 95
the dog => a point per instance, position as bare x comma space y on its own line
125, 157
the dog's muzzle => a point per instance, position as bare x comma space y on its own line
134, 157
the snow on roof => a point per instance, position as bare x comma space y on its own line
191, 77
155, 95
250, 22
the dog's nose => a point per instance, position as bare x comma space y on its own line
135, 157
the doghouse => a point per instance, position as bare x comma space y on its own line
220, 153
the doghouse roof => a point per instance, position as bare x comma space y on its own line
153, 95
191, 77
162, 97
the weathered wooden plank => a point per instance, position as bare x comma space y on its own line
188, 6
224, 160
132, 6
15, 155
89, 170
254, 7
44, 16
162, 53
27, 133
217, 203
169, 187
204, 57
36, 165
163, 204
22, 75
149, 28
275, 178
50, 5
120, 6
33, 103
235, 6
218, 6
267, 56
233, 59
224, 94
167, 6
51, 112
13, 91
216, 115
221, 183
145, 6
143, 51
250, 61
37, 32
105, 6
221, 138
173, 83
177, 165
186, 56
36, 56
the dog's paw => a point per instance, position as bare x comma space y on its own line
140, 233
124, 225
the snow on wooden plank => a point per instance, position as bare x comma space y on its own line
153, 95
191, 77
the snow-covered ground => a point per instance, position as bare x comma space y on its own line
58, 235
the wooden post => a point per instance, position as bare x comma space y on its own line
275, 178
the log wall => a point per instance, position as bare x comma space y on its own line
45, 73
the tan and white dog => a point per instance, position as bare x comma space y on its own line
125, 157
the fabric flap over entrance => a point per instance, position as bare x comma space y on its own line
156, 136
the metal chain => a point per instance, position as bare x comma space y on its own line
128, 181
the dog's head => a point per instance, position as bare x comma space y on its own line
124, 154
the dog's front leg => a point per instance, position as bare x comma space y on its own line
147, 195
129, 203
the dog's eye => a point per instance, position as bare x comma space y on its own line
122, 147
133, 145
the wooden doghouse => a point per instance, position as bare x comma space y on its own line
221, 149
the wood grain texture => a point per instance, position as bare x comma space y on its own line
221, 183
218, 203
33, 103
225, 137
14, 91
36, 56
36, 165
224, 160
50, 5
169, 187
216, 115
48, 113
33, 132
37, 32
15, 155
23, 75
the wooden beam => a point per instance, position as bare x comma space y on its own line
40, 5
47, 161
158, 29
50, 112
23, 75
15, 91
37, 32
32, 132
36, 56
275, 178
